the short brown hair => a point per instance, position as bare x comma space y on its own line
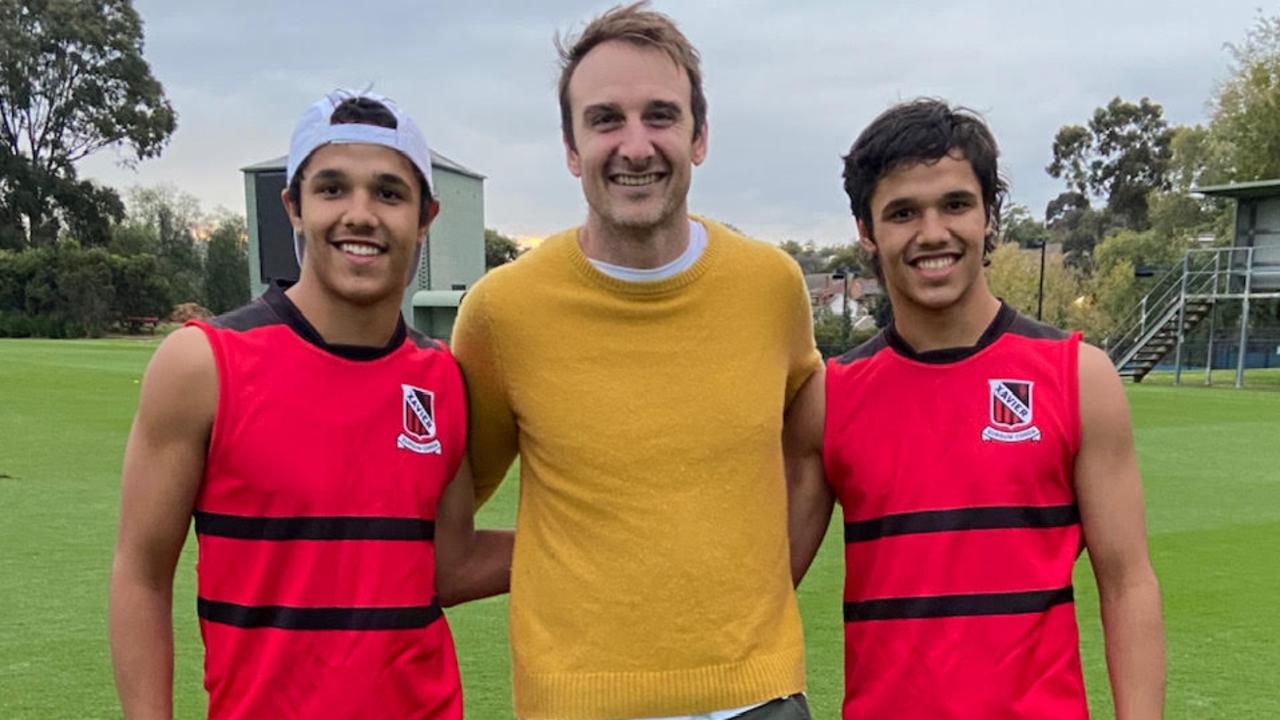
637, 25
924, 130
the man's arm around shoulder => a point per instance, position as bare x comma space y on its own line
1109, 493
470, 564
491, 427
809, 498
163, 466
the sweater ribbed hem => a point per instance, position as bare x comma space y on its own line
628, 695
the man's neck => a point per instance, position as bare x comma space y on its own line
958, 326
343, 323
634, 248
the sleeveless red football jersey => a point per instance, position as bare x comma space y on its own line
955, 472
315, 521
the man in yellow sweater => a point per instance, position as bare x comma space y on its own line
641, 366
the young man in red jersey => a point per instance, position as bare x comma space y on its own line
320, 445
975, 452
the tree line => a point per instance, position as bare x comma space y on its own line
76, 259
164, 253
1127, 214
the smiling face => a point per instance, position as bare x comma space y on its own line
928, 228
634, 142
361, 217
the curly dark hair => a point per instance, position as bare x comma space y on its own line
923, 130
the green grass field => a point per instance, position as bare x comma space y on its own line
1210, 458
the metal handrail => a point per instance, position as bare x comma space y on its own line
1154, 305
1200, 271
1168, 281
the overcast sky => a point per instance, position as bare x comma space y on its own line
789, 84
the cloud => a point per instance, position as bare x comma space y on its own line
790, 84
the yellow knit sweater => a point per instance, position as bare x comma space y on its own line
651, 571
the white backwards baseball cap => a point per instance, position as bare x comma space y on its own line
316, 129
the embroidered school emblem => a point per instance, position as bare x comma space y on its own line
419, 433
1011, 412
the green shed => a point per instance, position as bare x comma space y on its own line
1257, 220
454, 259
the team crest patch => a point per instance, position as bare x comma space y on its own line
1011, 412
419, 422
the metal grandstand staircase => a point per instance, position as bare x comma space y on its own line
1177, 302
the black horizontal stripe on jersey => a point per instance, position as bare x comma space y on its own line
940, 606
308, 527
978, 518
320, 618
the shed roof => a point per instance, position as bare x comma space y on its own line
1256, 189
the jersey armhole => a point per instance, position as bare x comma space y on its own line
1072, 375
464, 405
222, 408
828, 437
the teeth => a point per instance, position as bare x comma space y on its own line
634, 180
358, 249
936, 263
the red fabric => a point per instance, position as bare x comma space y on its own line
301, 432
906, 436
